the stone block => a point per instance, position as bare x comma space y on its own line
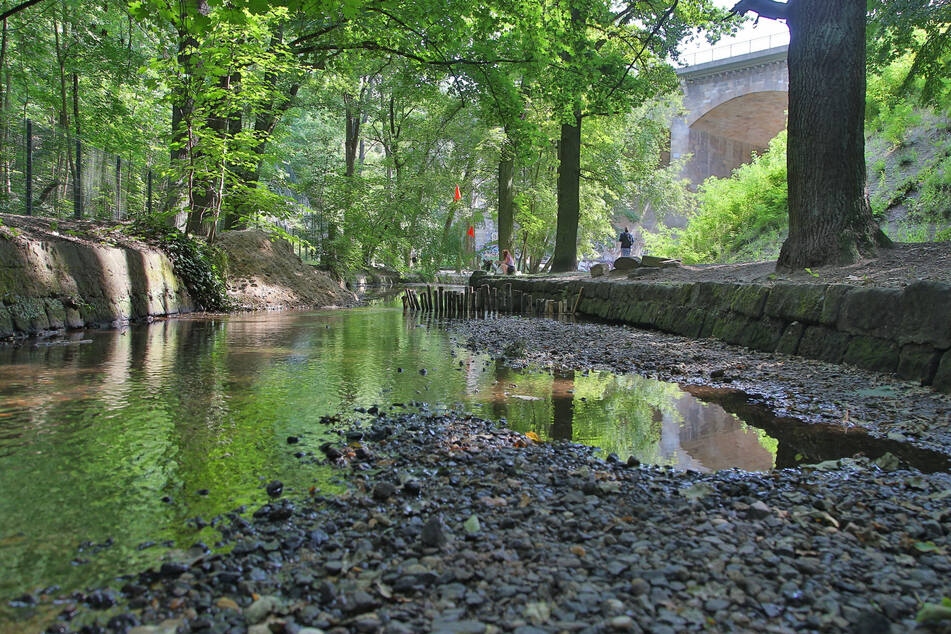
762, 334
731, 328
688, 323
872, 353
796, 302
29, 315
875, 312
789, 342
942, 377
626, 264
926, 314
710, 295
6, 323
749, 299
918, 363
73, 318
825, 344
55, 313
710, 318
833, 297
653, 260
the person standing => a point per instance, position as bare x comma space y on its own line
627, 241
507, 262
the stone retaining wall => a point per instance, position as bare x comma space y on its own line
49, 285
902, 331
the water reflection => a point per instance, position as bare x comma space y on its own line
144, 435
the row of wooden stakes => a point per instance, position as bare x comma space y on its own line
483, 299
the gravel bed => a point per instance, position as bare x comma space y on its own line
813, 391
452, 524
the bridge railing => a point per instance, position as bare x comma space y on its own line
734, 49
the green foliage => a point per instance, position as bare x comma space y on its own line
200, 266
738, 218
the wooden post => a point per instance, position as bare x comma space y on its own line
577, 299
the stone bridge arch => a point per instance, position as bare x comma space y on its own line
733, 108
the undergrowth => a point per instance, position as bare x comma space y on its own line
199, 265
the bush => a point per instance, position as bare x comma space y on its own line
200, 266
741, 217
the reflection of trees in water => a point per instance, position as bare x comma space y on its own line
717, 439
623, 414
562, 401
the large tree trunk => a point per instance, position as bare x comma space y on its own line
830, 220
506, 200
565, 257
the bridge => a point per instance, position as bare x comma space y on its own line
735, 98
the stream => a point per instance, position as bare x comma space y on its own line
116, 445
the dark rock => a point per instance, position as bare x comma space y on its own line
100, 599
275, 488
918, 363
875, 312
383, 491
292, 440
926, 314
172, 569
871, 353
942, 377
823, 343
626, 264
433, 534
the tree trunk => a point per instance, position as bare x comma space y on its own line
565, 257
830, 220
506, 201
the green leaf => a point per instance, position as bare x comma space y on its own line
472, 525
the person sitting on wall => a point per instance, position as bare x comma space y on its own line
627, 241
507, 262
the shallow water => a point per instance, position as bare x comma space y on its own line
94, 433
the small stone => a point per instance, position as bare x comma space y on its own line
260, 609
275, 488
383, 491
227, 604
639, 587
759, 510
433, 534
621, 624
292, 440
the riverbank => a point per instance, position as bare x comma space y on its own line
452, 524
890, 315
59, 274
812, 391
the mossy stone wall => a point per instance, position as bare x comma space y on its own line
54, 284
902, 331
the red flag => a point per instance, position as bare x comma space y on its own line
457, 196
471, 231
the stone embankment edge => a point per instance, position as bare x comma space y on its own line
906, 332
51, 285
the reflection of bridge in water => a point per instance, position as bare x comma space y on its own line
735, 97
